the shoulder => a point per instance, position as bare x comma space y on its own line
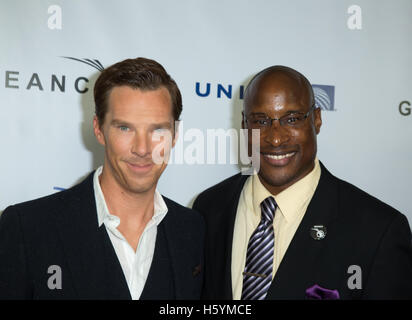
362, 206
369, 210
183, 223
183, 214
222, 189
362, 198
42, 207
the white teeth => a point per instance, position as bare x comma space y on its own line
288, 155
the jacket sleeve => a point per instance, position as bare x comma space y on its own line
13, 264
391, 273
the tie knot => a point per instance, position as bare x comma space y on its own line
268, 207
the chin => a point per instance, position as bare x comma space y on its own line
276, 178
279, 182
140, 188
140, 185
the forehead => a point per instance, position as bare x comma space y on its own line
276, 94
132, 104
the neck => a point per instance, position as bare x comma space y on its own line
276, 189
130, 207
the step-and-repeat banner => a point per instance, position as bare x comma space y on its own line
356, 53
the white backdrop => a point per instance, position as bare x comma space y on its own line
361, 48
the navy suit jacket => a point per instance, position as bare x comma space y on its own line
62, 230
361, 231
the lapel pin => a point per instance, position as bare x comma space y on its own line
318, 232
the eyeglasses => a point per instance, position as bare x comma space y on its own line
293, 120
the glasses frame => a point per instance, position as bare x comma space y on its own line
305, 116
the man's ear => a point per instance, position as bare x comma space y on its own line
243, 121
98, 132
317, 119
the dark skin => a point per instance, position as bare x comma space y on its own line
286, 154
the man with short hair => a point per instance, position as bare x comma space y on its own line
113, 236
293, 230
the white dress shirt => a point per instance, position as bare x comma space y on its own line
135, 265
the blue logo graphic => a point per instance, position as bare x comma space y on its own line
324, 96
59, 188
220, 90
93, 63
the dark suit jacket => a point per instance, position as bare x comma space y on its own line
62, 230
361, 230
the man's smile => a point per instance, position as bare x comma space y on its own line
140, 167
279, 158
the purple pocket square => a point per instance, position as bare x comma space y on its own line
316, 292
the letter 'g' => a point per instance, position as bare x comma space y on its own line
55, 280
405, 111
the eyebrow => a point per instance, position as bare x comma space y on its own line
117, 122
166, 125
287, 113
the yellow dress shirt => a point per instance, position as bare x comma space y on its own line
292, 204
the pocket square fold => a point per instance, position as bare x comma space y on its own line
316, 292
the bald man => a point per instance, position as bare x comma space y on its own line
293, 230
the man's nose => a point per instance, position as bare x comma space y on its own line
141, 144
277, 134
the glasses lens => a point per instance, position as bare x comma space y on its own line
258, 122
292, 120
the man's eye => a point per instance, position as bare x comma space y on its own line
261, 122
124, 128
293, 119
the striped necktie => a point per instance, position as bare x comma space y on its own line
257, 276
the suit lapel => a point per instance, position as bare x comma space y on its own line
227, 224
174, 241
298, 269
91, 258
160, 280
